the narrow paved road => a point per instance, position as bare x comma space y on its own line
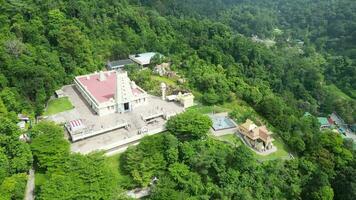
30, 188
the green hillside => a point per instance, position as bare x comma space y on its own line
270, 61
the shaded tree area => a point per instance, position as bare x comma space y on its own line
189, 125
190, 168
207, 168
327, 26
70, 176
15, 161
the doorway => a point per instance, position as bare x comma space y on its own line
126, 107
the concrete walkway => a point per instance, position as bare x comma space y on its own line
30, 187
121, 146
139, 193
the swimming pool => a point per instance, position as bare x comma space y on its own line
222, 122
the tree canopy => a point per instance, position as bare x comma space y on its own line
189, 125
280, 58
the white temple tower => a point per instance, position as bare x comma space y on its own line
123, 94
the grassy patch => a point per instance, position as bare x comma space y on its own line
281, 153
113, 162
231, 139
124, 181
209, 109
165, 80
58, 105
335, 90
239, 109
40, 179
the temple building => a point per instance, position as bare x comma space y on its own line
258, 137
110, 92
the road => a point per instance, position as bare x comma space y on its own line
30, 188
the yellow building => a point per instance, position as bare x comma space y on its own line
258, 137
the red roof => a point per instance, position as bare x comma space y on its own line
75, 123
263, 133
102, 91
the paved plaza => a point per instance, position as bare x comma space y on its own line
108, 140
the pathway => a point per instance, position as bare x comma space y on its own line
264, 153
139, 193
30, 188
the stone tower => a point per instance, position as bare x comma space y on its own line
163, 90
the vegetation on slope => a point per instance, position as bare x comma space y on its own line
43, 46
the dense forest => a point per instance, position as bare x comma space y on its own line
282, 58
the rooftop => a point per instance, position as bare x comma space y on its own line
221, 122
120, 63
254, 132
307, 114
338, 120
323, 121
143, 58
248, 125
103, 88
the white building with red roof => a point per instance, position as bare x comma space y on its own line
110, 92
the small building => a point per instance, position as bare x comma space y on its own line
110, 92
336, 120
23, 117
24, 137
59, 93
75, 125
258, 137
21, 125
307, 114
76, 129
118, 64
324, 123
144, 59
185, 99
353, 128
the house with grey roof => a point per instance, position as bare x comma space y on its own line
117, 64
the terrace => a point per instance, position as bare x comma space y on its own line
222, 124
107, 132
